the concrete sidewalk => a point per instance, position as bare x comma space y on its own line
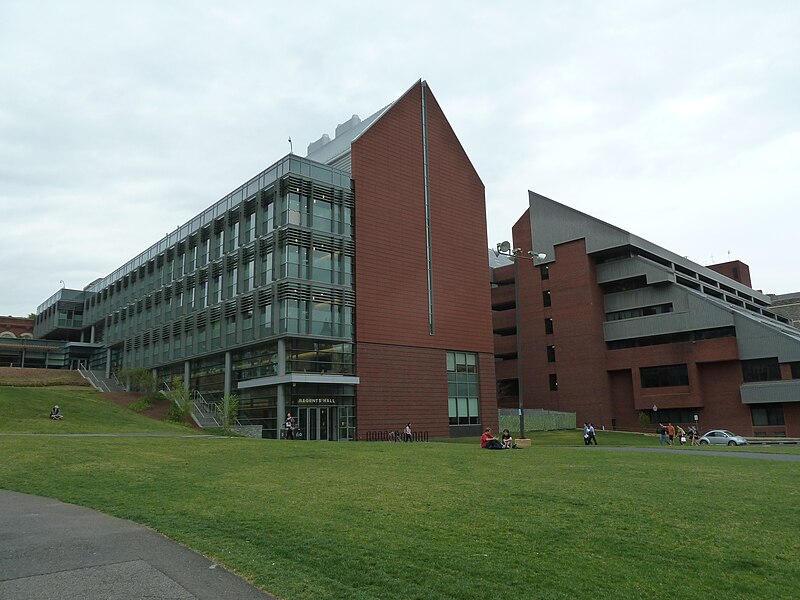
51, 550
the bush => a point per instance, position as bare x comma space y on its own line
146, 402
180, 407
139, 380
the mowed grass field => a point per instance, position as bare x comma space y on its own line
383, 520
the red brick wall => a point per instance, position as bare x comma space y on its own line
16, 325
735, 269
602, 385
723, 408
391, 279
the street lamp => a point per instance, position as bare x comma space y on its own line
505, 249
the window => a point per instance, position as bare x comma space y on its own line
265, 319
269, 218
664, 376
233, 288
311, 356
795, 370
643, 311
546, 300
219, 244
548, 326
295, 262
249, 228
553, 381
234, 235
551, 354
324, 266
204, 295
767, 414
462, 388
761, 369
218, 289
323, 215
266, 268
545, 271
248, 282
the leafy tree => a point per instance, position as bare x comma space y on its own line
228, 409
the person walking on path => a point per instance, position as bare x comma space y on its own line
585, 434
671, 433
681, 435
663, 431
693, 434
407, 433
592, 435
288, 426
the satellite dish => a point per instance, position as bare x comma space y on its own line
504, 247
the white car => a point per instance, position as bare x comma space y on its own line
723, 437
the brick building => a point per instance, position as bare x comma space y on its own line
16, 327
622, 331
347, 286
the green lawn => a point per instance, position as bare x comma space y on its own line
27, 410
378, 520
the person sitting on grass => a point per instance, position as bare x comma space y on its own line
56, 413
508, 441
489, 442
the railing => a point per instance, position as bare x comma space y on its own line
96, 383
393, 436
204, 412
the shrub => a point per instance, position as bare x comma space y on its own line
139, 380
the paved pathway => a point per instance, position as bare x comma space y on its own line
733, 454
55, 551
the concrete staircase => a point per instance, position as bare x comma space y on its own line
101, 383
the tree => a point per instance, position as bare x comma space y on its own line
228, 409
180, 400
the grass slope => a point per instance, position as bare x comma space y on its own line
40, 377
377, 520
26, 410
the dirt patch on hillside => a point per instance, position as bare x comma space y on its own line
158, 411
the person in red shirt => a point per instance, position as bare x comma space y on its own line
671, 433
489, 442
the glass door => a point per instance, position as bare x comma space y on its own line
314, 423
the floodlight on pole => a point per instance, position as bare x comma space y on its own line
514, 254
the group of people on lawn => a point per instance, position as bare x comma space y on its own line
669, 431
489, 442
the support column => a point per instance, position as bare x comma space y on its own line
22, 364
228, 373
281, 411
108, 362
186, 373
91, 336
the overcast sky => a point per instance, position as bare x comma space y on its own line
678, 121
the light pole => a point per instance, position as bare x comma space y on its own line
505, 249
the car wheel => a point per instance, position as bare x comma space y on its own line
731, 443
704, 442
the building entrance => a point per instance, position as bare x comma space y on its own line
315, 422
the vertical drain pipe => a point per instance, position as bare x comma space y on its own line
427, 208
